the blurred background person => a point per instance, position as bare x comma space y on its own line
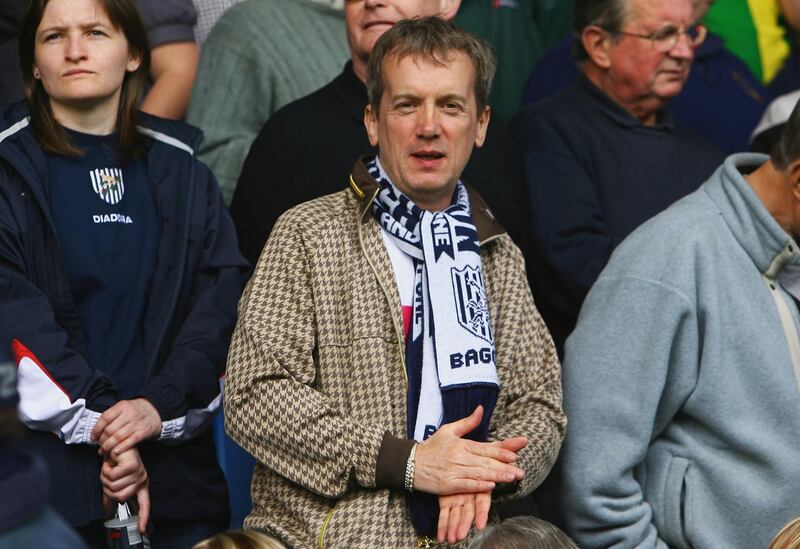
520, 32
604, 155
173, 57
25, 518
719, 84
261, 55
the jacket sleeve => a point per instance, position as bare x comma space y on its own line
59, 392
630, 365
566, 225
272, 408
531, 398
168, 21
187, 390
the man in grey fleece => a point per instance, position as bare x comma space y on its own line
682, 378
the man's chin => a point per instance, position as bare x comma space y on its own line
669, 90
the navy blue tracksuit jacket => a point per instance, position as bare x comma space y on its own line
189, 317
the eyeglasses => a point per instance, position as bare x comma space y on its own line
666, 39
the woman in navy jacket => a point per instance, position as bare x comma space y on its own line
119, 278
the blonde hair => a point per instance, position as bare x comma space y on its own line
788, 537
240, 539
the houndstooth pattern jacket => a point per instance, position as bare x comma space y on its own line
316, 372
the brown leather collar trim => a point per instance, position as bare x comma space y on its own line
364, 188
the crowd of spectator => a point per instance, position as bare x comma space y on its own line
475, 273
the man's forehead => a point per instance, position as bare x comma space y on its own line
444, 75
660, 13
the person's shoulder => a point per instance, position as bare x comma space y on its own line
671, 241
292, 121
565, 99
501, 256
176, 134
320, 216
13, 118
696, 147
320, 103
564, 108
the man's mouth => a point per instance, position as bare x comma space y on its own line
378, 24
428, 155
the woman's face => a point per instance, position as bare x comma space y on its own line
80, 57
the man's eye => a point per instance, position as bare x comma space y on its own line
665, 34
52, 36
95, 32
405, 106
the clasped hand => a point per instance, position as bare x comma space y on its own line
125, 425
463, 474
123, 475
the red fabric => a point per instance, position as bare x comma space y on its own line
21, 351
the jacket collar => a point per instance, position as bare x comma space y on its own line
616, 112
763, 239
364, 187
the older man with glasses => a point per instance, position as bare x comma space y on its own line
603, 155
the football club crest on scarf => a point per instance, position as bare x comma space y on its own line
473, 314
108, 184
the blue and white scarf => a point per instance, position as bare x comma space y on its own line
450, 354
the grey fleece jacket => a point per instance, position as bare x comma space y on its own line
681, 381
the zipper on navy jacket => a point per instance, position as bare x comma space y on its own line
150, 363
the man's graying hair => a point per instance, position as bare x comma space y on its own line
433, 39
522, 532
787, 149
608, 14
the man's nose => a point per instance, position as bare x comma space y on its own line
428, 122
683, 48
374, 3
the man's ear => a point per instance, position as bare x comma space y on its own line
371, 123
597, 43
448, 9
483, 125
793, 172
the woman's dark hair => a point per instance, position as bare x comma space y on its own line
124, 15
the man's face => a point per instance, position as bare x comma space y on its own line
640, 75
367, 20
426, 125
